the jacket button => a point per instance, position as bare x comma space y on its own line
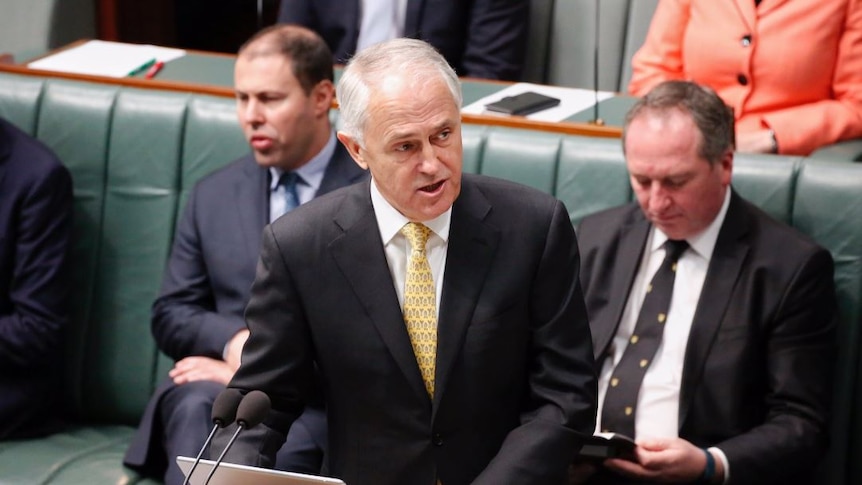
745, 41
437, 440
742, 79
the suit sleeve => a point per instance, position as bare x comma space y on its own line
562, 384
660, 57
496, 39
185, 321
806, 127
38, 292
277, 359
800, 351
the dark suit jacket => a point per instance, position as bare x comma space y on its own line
35, 234
514, 375
479, 38
758, 365
211, 268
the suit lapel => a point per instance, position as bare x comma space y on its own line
729, 254
358, 251
253, 186
472, 245
625, 266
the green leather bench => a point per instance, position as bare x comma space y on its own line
134, 155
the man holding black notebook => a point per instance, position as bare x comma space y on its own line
712, 323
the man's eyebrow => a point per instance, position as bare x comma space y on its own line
400, 135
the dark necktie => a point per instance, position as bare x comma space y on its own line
619, 409
288, 180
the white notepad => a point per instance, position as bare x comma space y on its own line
103, 58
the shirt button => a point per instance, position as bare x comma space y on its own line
438, 439
745, 41
742, 79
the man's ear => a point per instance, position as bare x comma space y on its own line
323, 94
353, 148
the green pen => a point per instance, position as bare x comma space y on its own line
143, 67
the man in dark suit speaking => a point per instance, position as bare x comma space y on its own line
712, 323
442, 310
284, 89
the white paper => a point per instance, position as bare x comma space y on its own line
102, 58
572, 100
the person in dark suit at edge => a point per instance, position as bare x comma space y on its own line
35, 238
730, 382
442, 310
284, 90
480, 38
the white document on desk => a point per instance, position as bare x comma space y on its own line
103, 58
572, 100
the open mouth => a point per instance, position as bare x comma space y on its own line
432, 188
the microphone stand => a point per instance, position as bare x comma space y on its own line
239, 428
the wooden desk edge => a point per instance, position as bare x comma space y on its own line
568, 128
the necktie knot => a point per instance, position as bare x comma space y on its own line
417, 233
674, 248
288, 180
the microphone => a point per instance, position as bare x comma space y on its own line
252, 411
596, 120
223, 413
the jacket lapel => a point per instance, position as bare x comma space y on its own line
472, 245
252, 217
358, 251
625, 266
730, 252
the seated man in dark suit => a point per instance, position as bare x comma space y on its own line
712, 323
284, 87
479, 38
35, 235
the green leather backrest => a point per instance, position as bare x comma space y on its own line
592, 176
138, 223
19, 100
523, 156
828, 207
75, 121
767, 181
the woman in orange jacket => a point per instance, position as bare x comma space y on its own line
791, 70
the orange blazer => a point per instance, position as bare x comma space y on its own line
794, 66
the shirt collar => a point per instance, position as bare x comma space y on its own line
390, 221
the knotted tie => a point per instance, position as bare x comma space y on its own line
618, 412
286, 182
420, 303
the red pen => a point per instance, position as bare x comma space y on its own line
154, 69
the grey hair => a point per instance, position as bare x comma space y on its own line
402, 56
713, 118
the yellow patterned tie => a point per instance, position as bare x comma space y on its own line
420, 303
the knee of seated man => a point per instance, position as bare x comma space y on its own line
193, 399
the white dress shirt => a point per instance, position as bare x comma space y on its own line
380, 20
397, 247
